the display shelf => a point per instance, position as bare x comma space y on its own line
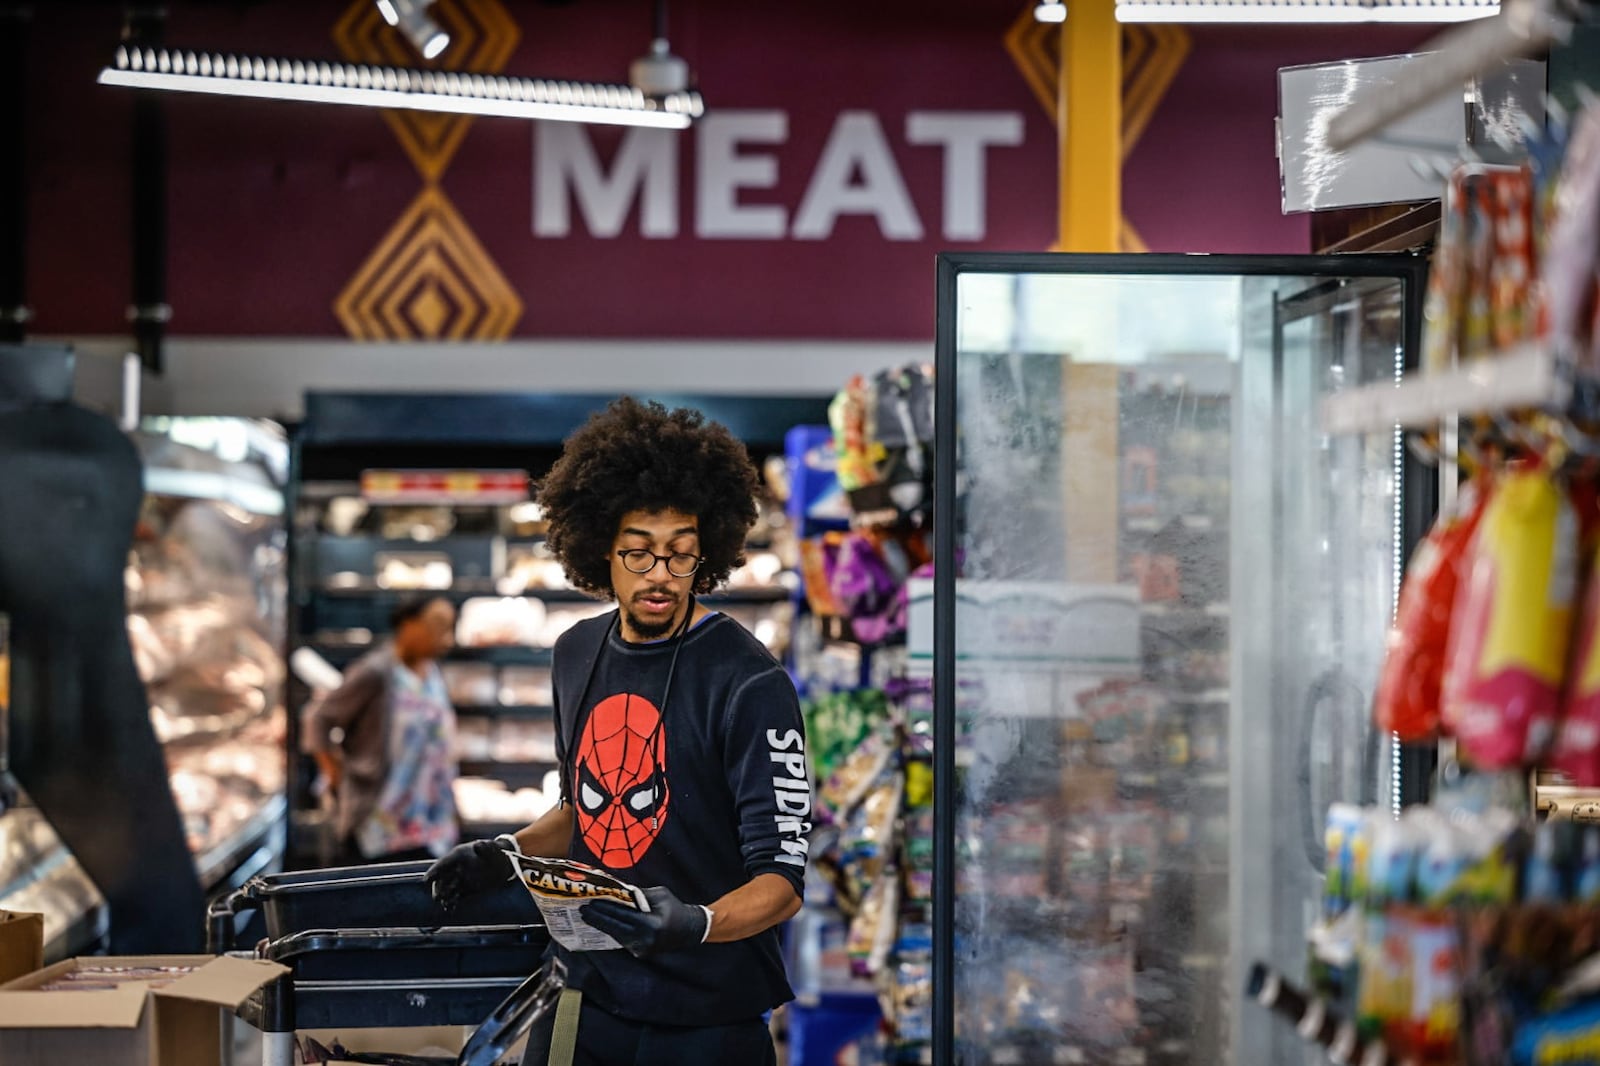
471, 830
498, 767
511, 771
1529, 376
461, 589
1196, 521
1210, 695
341, 653
534, 711
502, 655
1210, 611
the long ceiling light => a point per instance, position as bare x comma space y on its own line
411, 18
1305, 11
418, 90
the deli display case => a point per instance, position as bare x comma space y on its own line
205, 593
1161, 590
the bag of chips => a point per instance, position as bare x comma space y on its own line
1511, 626
1577, 745
1407, 701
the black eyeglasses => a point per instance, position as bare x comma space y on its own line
679, 564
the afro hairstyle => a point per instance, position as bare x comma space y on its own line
641, 457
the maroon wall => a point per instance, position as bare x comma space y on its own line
274, 206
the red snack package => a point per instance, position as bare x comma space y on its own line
1511, 268
1577, 745
1512, 624
1407, 701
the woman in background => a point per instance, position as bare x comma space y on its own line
385, 742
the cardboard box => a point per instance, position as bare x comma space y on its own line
21, 944
131, 1024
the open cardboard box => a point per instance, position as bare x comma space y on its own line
21, 944
132, 1024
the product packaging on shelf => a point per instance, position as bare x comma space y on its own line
1576, 752
1407, 700
1512, 622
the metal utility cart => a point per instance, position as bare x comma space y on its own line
367, 947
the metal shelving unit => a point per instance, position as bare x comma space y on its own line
1531, 376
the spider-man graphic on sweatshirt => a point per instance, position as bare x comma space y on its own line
701, 798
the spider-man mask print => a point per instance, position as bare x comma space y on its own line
622, 784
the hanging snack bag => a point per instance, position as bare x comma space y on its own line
1477, 324
1511, 625
1577, 746
1447, 282
1511, 271
1407, 701
1572, 252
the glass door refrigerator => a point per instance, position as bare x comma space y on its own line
1161, 600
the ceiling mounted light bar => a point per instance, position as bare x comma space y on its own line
1050, 11
1304, 11
418, 90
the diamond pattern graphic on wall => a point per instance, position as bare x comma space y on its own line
429, 278
1151, 57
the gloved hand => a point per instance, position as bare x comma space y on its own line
669, 924
469, 869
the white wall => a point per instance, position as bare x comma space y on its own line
268, 378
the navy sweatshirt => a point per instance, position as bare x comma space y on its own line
701, 800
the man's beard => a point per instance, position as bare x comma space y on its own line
652, 630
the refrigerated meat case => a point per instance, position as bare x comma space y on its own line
205, 587
1152, 667
361, 542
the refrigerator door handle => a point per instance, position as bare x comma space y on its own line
1330, 687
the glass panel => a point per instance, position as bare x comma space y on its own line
1151, 526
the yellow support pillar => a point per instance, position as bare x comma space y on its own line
1089, 133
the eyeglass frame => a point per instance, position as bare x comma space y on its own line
623, 553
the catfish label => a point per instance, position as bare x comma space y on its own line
550, 884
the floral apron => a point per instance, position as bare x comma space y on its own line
416, 808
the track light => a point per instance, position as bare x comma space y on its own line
1050, 11
411, 18
418, 90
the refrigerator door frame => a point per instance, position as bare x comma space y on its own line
1418, 505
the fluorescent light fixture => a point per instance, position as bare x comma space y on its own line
1050, 11
419, 90
411, 18
1306, 11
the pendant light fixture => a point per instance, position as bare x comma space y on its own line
411, 18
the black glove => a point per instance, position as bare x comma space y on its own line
669, 924
469, 869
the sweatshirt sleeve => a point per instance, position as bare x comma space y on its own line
339, 708
764, 754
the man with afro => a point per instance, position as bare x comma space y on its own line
681, 748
